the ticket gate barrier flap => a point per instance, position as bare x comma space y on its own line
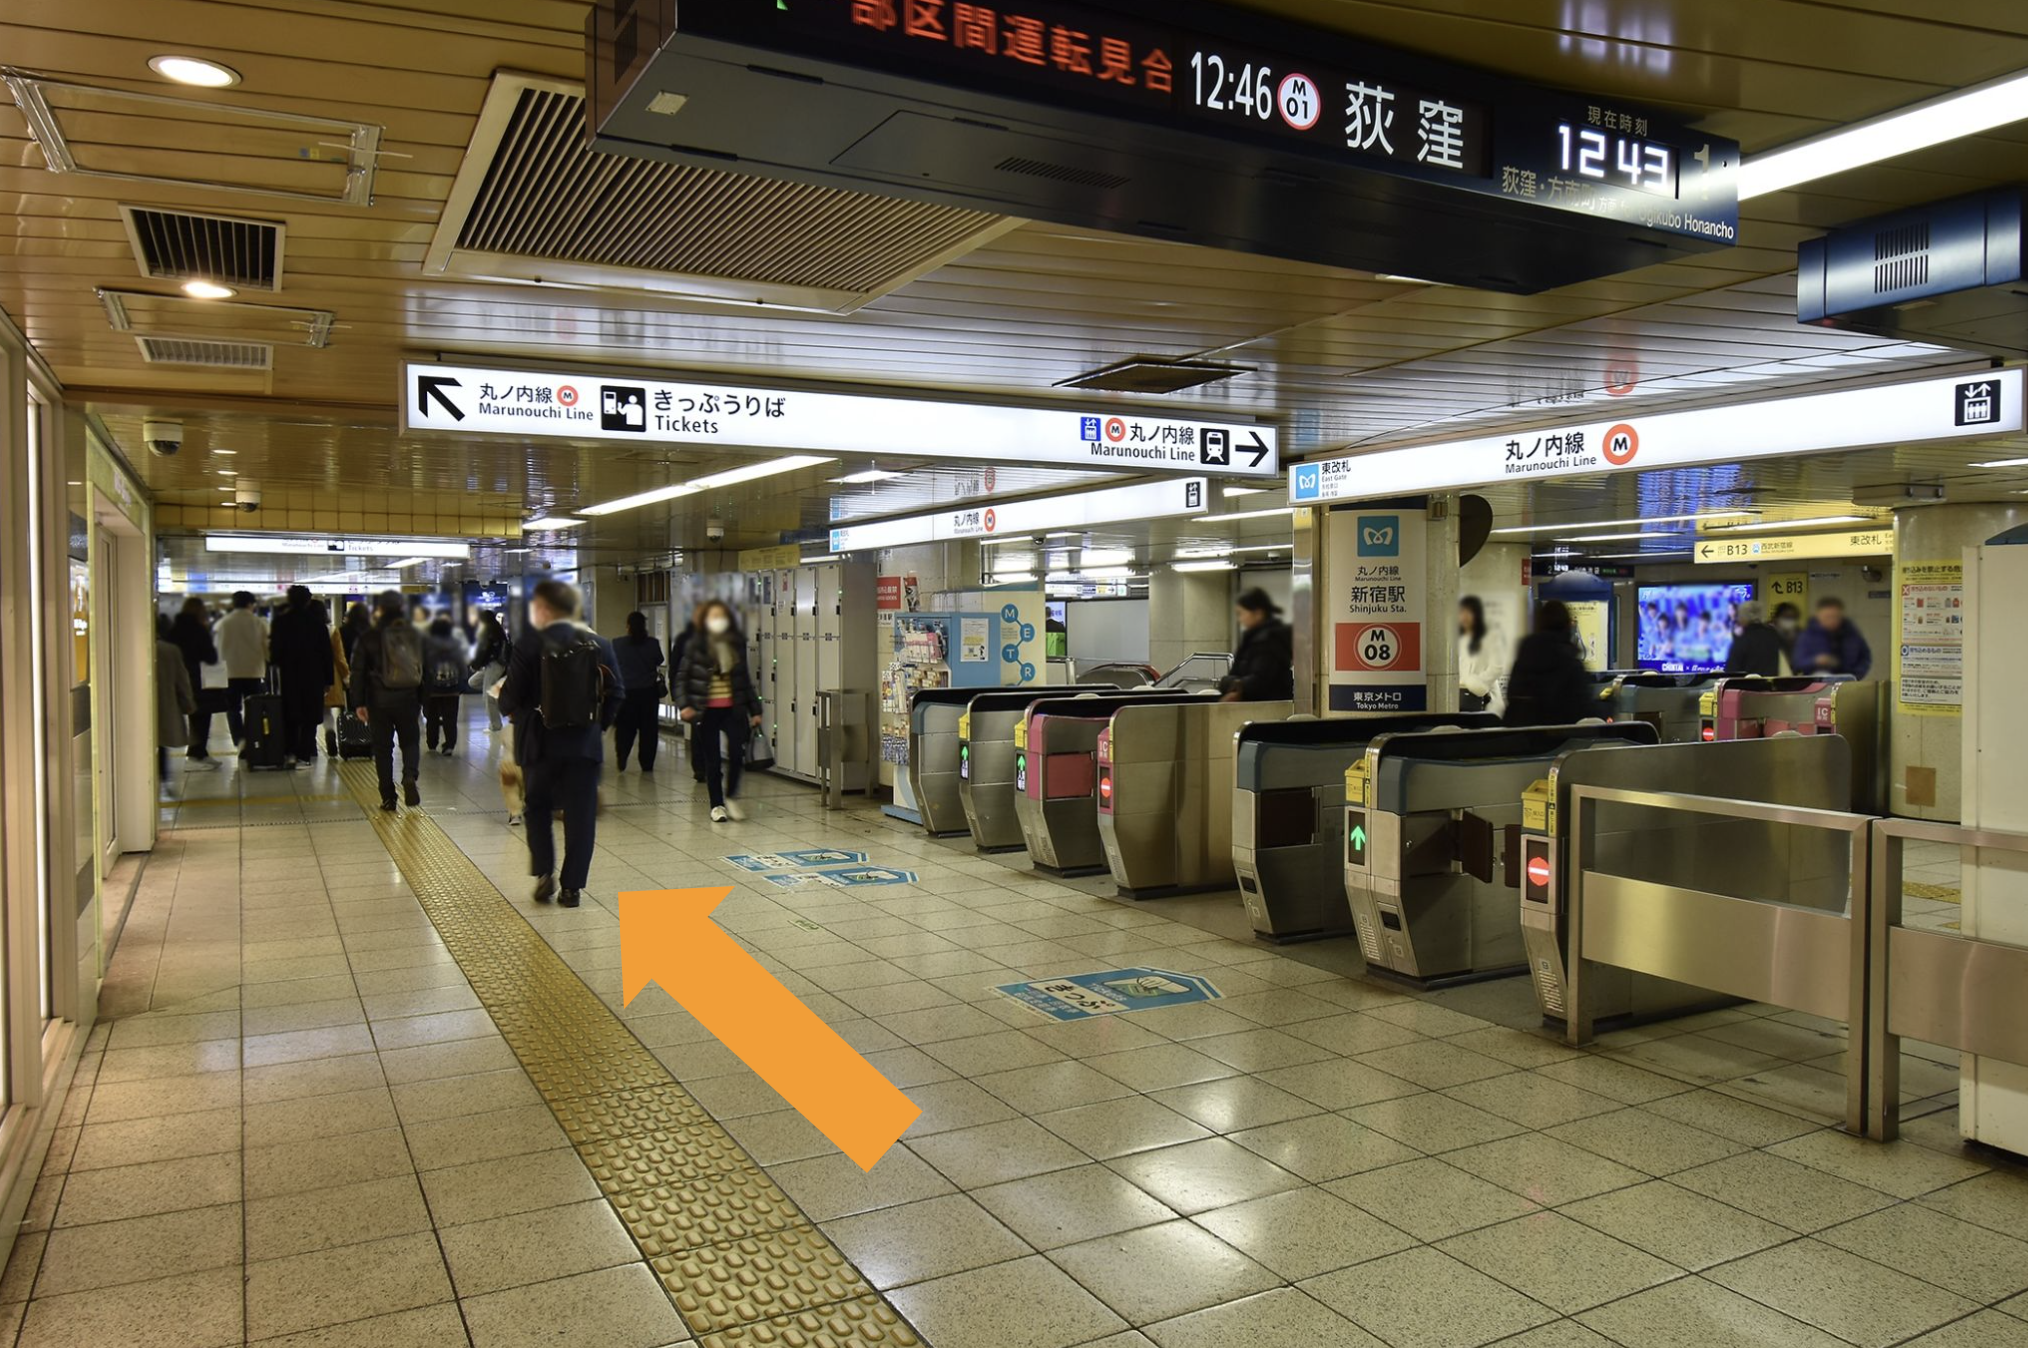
1291, 832
1747, 857
1432, 899
1827, 704
988, 764
1056, 797
1168, 828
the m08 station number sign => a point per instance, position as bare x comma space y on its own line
566, 405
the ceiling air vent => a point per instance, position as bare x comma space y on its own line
175, 245
1061, 173
1149, 375
533, 202
210, 354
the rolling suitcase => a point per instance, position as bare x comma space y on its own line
267, 745
355, 738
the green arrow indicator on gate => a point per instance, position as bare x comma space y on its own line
1358, 839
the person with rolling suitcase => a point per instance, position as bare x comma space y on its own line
387, 677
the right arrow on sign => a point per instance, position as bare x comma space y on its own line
429, 386
1259, 447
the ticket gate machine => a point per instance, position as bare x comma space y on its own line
1288, 815
1814, 704
933, 751
1672, 703
1433, 843
1056, 776
987, 757
1165, 794
1747, 858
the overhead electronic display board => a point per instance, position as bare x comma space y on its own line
1116, 113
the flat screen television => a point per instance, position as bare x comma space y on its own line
1687, 629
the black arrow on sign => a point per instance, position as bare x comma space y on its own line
429, 386
1259, 448
1704, 551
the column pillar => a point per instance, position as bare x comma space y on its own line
1188, 612
1926, 661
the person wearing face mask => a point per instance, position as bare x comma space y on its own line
1787, 619
716, 693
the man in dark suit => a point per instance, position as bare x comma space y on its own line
560, 764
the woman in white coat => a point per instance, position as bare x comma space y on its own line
1483, 660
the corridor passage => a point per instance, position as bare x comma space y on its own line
351, 1087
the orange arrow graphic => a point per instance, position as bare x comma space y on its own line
667, 937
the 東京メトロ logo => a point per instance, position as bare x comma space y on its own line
1379, 535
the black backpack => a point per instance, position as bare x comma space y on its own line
447, 672
400, 657
573, 683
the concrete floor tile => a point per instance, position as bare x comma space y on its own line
1425, 1299
483, 1137
833, 1186
325, 1163
1429, 1199
192, 1310
1302, 1233
303, 1120
950, 1105
482, 1190
1339, 1083
1029, 1303
1688, 1229
528, 1247
1065, 1207
1781, 1190
1969, 1260
346, 1215
1902, 1169
161, 1138
155, 1186
1542, 1169
1997, 1201
1159, 1272
1324, 1147
1160, 1066
933, 1238
139, 1249
1566, 1266
438, 1326
1987, 1329
350, 1282
1280, 1318
1532, 1099
1197, 1176
1432, 1122
1121, 1127
1729, 1117
1647, 1142
994, 1153
1858, 1300
617, 1307
1693, 1313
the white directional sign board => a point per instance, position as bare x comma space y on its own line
1785, 547
550, 404
1963, 406
1015, 519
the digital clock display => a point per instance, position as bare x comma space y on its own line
1616, 158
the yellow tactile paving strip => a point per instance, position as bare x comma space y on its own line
744, 1267
1940, 893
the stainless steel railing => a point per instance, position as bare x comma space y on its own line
1957, 991
1806, 959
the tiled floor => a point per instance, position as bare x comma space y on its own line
298, 1125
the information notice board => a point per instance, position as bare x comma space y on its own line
1930, 677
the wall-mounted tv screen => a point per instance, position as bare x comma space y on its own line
1687, 629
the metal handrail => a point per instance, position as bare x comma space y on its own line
1961, 970
1858, 827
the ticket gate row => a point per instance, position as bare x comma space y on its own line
1165, 793
1056, 775
1752, 707
1672, 703
1433, 843
1751, 856
989, 759
1288, 815
935, 749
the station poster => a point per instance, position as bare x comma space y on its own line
1377, 606
1929, 676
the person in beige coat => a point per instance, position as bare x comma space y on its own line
175, 699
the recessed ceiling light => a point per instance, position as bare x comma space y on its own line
201, 289
2003, 463
868, 475
194, 70
1231, 492
1201, 566
548, 524
225, 472
226, 453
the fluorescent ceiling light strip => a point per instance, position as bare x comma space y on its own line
1615, 538
869, 475
754, 471
2003, 463
1966, 112
1798, 524
646, 498
549, 524
1202, 566
1245, 515
1606, 524
1013, 577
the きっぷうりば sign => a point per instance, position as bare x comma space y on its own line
554, 404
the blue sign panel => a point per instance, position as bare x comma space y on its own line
1082, 996
850, 877
789, 861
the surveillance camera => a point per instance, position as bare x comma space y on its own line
165, 438
714, 530
246, 497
